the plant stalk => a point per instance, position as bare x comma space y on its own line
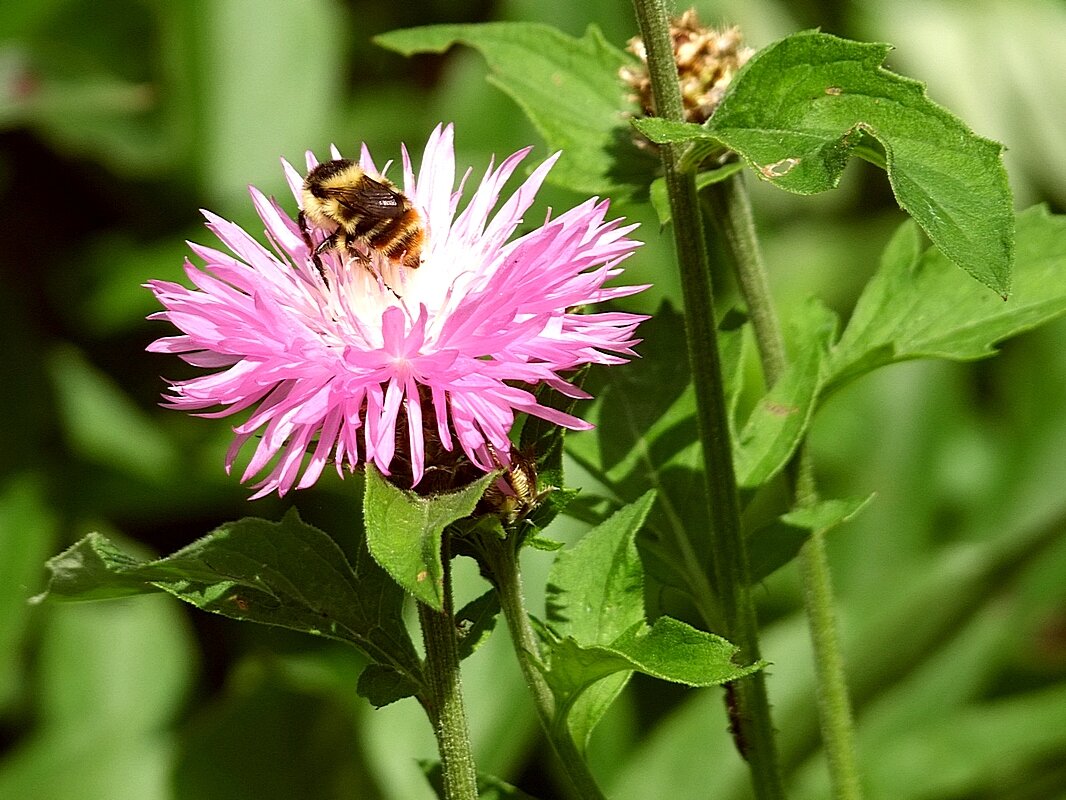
501, 559
747, 699
729, 207
445, 704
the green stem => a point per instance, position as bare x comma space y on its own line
730, 209
749, 706
445, 704
501, 559
834, 703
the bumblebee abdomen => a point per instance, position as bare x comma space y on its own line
401, 237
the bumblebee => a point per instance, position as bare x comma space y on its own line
366, 210
520, 496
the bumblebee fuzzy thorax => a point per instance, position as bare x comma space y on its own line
362, 209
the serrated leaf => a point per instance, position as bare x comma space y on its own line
917, 306
672, 650
569, 88
669, 649
780, 420
286, 573
596, 587
801, 106
595, 592
596, 614
403, 532
772, 546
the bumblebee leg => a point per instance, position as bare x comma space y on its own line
315, 251
329, 243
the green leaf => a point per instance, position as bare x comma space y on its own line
284, 573
95, 569
917, 306
382, 685
596, 611
476, 621
596, 587
774, 545
780, 419
670, 650
569, 88
595, 592
539, 542
403, 532
802, 105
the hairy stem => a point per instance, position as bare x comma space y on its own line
501, 559
730, 209
445, 704
747, 699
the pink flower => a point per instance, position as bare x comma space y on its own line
381, 359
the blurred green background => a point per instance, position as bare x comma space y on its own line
120, 118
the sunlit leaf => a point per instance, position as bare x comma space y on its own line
570, 90
669, 649
802, 105
595, 593
283, 573
599, 631
917, 306
404, 530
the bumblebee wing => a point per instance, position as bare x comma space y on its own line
370, 198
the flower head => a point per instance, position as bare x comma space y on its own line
706, 58
362, 358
